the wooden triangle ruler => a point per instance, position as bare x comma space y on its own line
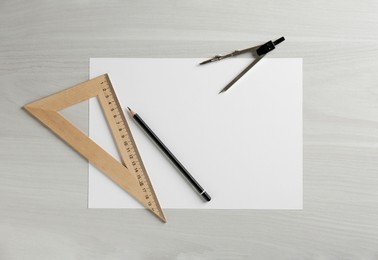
131, 174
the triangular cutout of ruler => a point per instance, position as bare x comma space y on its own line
130, 174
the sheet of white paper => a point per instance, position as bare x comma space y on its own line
243, 146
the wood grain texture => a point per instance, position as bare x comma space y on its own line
46, 110
45, 47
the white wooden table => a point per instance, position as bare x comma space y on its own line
45, 47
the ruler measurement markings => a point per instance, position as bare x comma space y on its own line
129, 144
135, 178
115, 111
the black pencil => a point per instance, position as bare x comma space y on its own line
171, 157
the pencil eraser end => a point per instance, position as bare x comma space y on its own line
206, 196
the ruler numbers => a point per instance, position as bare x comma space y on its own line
130, 174
132, 156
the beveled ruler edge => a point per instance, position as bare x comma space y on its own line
46, 110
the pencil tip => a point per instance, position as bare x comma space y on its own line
128, 108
